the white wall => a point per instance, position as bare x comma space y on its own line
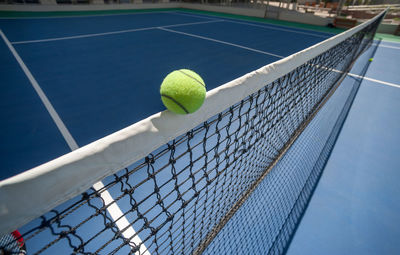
306, 18
253, 12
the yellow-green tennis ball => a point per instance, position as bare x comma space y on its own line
371, 59
183, 91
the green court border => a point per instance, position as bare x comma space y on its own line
41, 14
388, 37
50, 14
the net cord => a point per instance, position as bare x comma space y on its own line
80, 169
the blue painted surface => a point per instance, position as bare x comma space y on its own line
44, 28
28, 135
386, 65
355, 208
260, 38
116, 81
266, 25
102, 84
99, 85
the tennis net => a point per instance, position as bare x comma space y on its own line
236, 176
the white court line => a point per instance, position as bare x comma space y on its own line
54, 115
222, 42
195, 16
259, 22
271, 54
280, 29
122, 222
113, 209
275, 27
265, 25
82, 36
194, 23
387, 46
375, 80
111, 33
367, 78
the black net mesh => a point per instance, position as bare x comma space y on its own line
237, 184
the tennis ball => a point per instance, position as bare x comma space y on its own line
371, 59
183, 91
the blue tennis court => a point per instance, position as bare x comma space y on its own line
103, 73
69, 81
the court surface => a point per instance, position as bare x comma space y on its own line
355, 207
68, 81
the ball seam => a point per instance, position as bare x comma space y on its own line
190, 76
176, 102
